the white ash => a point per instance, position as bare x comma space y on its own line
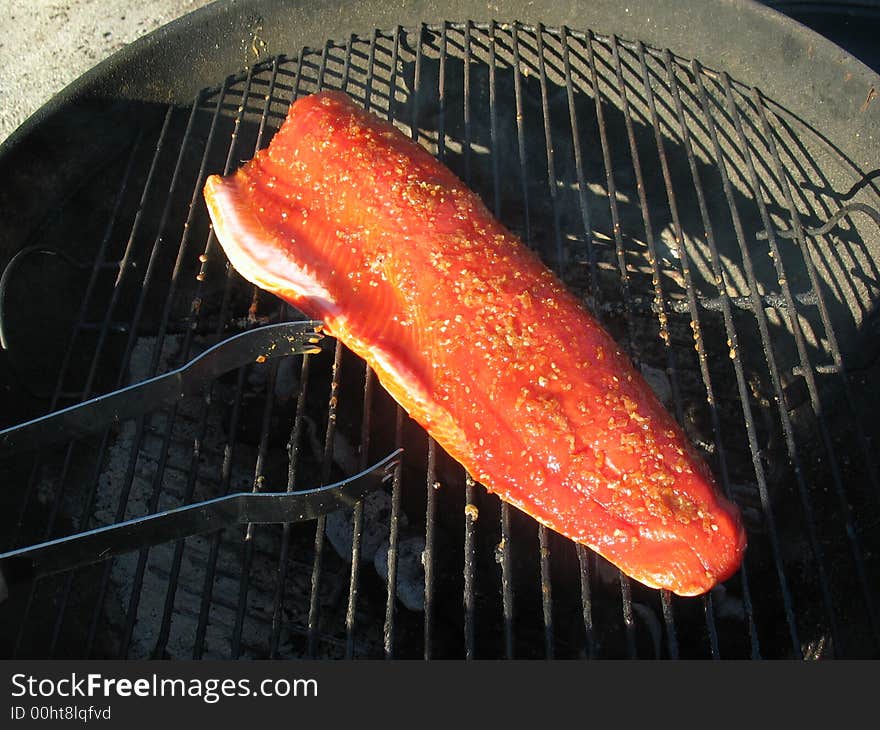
659, 382
344, 454
287, 378
376, 517
410, 586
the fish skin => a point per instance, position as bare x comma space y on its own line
352, 223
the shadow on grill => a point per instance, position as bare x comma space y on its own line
671, 198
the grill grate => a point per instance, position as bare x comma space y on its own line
676, 201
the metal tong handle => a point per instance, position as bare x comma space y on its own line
260, 344
102, 543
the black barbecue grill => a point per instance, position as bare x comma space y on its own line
723, 223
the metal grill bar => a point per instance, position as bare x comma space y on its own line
327, 457
321, 522
393, 538
520, 134
292, 458
632, 345
694, 312
358, 519
582, 554
731, 335
543, 540
470, 538
284, 552
507, 596
428, 555
248, 547
769, 135
543, 534
214, 550
769, 299
552, 183
247, 552
806, 368
662, 317
388, 628
628, 618
771, 362
431, 474
358, 516
470, 496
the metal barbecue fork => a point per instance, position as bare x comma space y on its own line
258, 345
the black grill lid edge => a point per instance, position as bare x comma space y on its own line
810, 76
754, 43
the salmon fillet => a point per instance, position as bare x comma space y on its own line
352, 223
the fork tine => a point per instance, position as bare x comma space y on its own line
65, 553
256, 345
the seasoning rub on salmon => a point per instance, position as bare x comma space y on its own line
356, 225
